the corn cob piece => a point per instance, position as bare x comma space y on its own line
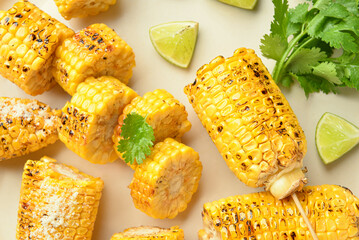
166, 115
28, 39
82, 8
93, 52
332, 210
87, 122
57, 202
250, 122
148, 233
25, 126
164, 183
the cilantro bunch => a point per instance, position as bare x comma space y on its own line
303, 39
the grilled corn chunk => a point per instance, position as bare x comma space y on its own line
88, 121
332, 210
164, 183
82, 8
57, 202
28, 39
166, 115
25, 126
250, 121
93, 52
149, 233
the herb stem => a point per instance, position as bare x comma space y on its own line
296, 51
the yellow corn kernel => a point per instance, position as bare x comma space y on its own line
149, 233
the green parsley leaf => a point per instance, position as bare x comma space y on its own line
137, 138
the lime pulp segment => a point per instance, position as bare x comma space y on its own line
246, 4
334, 137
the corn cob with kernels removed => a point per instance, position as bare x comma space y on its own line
93, 52
250, 121
28, 40
164, 183
25, 126
57, 202
149, 233
82, 8
88, 121
332, 210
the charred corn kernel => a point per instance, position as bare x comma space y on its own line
332, 210
51, 204
94, 51
82, 8
28, 40
25, 126
164, 183
87, 122
250, 121
166, 115
148, 233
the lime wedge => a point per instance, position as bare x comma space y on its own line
175, 41
334, 137
246, 4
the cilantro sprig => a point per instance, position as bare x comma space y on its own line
303, 39
137, 138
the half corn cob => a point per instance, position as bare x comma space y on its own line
93, 52
57, 202
82, 8
332, 210
164, 183
250, 121
149, 233
166, 115
28, 39
88, 121
25, 126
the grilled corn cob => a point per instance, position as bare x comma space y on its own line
332, 210
250, 121
164, 183
87, 122
25, 126
28, 39
166, 115
148, 233
57, 202
93, 52
82, 8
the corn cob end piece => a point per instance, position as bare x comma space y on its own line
149, 233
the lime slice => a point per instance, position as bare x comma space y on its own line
175, 41
334, 137
246, 4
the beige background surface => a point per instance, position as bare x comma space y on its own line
222, 29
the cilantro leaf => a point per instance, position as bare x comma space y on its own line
305, 60
277, 46
327, 70
137, 138
299, 13
278, 25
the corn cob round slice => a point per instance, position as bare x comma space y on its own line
25, 126
57, 202
148, 233
332, 210
93, 52
250, 121
28, 40
164, 183
166, 115
88, 121
75, 8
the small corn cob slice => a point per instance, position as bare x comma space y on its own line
88, 121
164, 183
57, 202
250, 121
82, 8
28, 39
148, 233
93, 52
166, 115
25, 126
332, 210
